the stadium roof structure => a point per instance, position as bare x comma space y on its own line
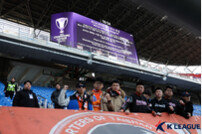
165, 31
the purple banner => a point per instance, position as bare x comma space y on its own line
80, 32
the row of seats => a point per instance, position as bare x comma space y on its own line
43, 94
44, 97
3, 100
197, 110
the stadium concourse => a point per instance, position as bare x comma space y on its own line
155, 44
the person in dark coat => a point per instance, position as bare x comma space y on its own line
137, 102
186, 105
159, 104
174, 105
147, 94
25, 97
55, 95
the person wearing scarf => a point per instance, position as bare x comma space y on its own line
115, 97
80, 100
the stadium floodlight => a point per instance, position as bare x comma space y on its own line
82, 79
93, 74
164, 17
106, 22
139, 7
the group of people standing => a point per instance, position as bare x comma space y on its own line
112, 99
22, 98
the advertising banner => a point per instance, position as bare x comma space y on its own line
72, 29
17, 120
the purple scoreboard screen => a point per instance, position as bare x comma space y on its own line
72, 29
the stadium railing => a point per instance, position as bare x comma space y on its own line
24, 33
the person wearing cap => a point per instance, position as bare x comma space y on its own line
137, 103
11, 88
186, 105
114, 98
159, 104
25, 97
80, 100
174, 105
97, 95
55, 95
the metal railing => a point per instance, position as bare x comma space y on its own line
26, 33
43, 102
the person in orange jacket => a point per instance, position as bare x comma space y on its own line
97, 94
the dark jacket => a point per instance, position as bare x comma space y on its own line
136, 104
185, 109
160, 106
25, 98
174, 103
74, 102
54, 98
149, 103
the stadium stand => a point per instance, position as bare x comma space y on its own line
197, 110
44, 97
49, 42
43, 94
3, 100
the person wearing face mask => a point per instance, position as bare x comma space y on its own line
25, 97
137, 103
80, 100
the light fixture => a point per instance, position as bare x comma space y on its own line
82, 79
164, 17
93, 74
90, 60
164, 78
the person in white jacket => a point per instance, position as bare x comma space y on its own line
63, 100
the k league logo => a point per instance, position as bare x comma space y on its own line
179, 128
